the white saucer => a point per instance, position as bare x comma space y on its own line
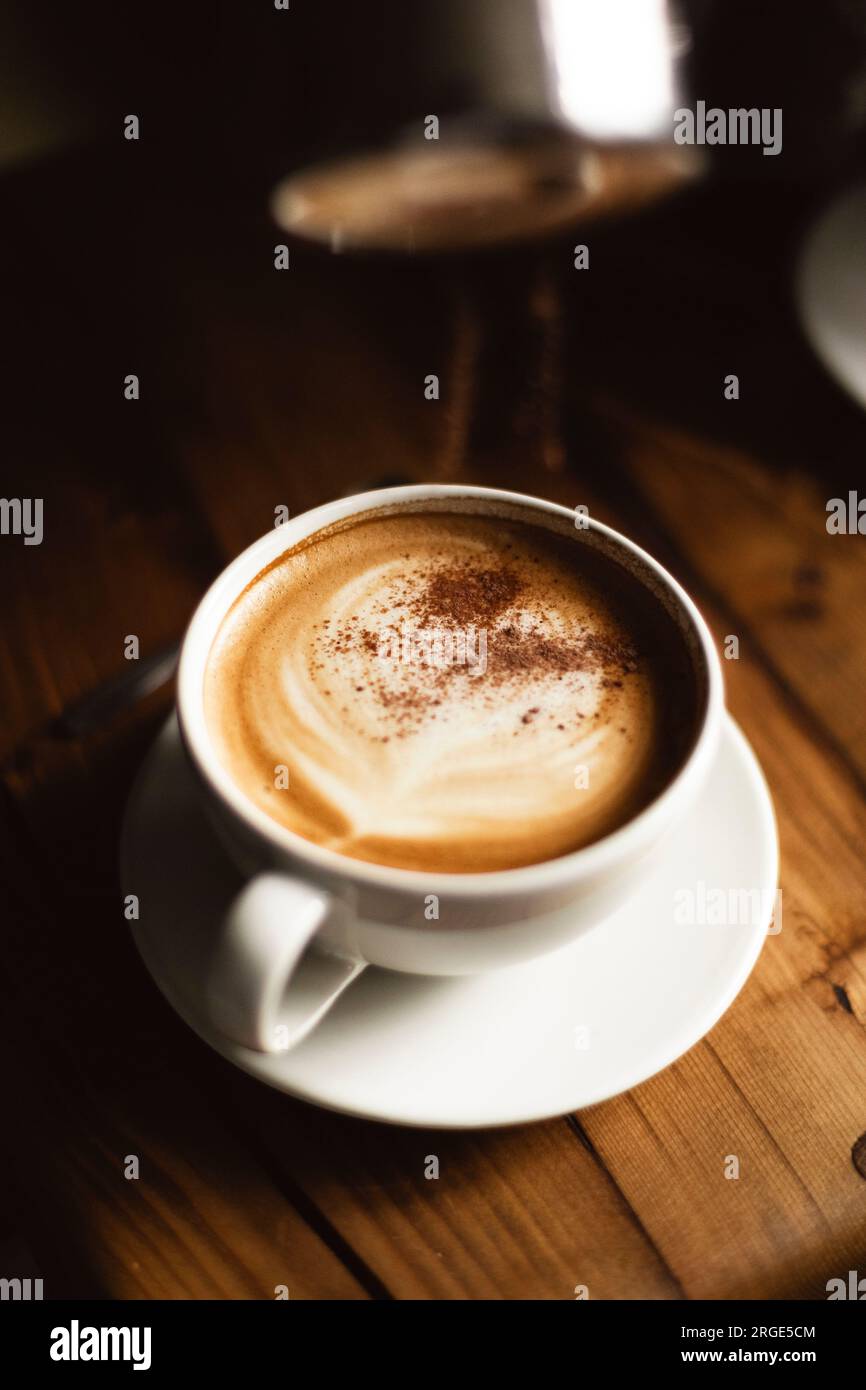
565, 1031
831, 290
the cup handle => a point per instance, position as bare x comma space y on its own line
265, 989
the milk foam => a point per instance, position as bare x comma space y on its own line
414, 751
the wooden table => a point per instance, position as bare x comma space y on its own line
261, 389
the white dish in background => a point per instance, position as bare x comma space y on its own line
830, 290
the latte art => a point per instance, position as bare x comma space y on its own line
448, 692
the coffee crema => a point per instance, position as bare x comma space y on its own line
449, 692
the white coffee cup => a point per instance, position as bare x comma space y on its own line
310, 920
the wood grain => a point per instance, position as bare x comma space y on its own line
523, 1213
96, 1082
264, 391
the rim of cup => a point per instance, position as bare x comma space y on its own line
626, 842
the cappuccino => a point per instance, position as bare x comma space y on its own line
450, 691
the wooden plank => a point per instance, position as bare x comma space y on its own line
202, 1220
304, 386
524, 1213
294, 406
759, 540
778, 1083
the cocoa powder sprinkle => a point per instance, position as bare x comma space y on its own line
468, 594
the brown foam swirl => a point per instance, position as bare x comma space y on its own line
447, 692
